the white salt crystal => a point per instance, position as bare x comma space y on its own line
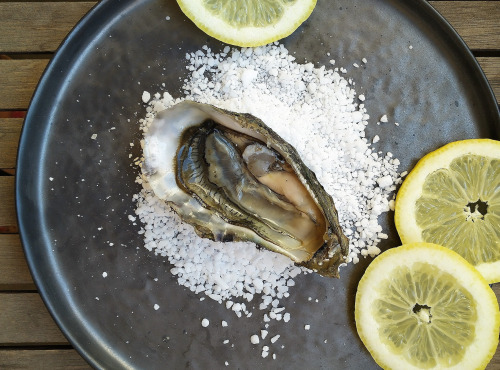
385, 181
146, 97
275, 338
224, 323
156, 307
263, 334
104, 274
307, 327
205, 323
254, 339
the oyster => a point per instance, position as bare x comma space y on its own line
234, 178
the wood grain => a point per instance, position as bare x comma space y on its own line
52, 359
38, 26
41, 26
8, 222
14, 272
19, 79
491, 68
10, 130
477, 22
25, 321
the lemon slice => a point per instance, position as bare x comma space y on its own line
248, 22
422, 306
452, 198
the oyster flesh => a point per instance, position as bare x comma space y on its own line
234, 178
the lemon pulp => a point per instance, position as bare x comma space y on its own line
244, 13
248, 22
460, 208
425, 316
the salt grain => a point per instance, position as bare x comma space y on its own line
205, 323
254, 339
146, 97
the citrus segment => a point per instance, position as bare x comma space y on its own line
248, 22
423, 306
452, 198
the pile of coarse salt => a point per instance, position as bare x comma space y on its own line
314, 109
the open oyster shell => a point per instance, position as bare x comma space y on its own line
234, 178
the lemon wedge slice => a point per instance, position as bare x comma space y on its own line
248, 22
422, 306
452, 198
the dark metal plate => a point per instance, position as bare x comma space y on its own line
435, 90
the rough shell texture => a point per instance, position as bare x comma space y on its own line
161, 150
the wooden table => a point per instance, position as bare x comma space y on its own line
30, 32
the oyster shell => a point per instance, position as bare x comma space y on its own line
234, 178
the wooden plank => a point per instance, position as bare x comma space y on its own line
52, 359
19, 79
38, 26
491, 68
14, 272
41, 26
10, 130
8, 221
25, 321
477, 22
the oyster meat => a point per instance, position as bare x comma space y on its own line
234, 178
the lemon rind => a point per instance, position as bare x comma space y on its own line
479, 353
212, 25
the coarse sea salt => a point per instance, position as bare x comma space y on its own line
314, 109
